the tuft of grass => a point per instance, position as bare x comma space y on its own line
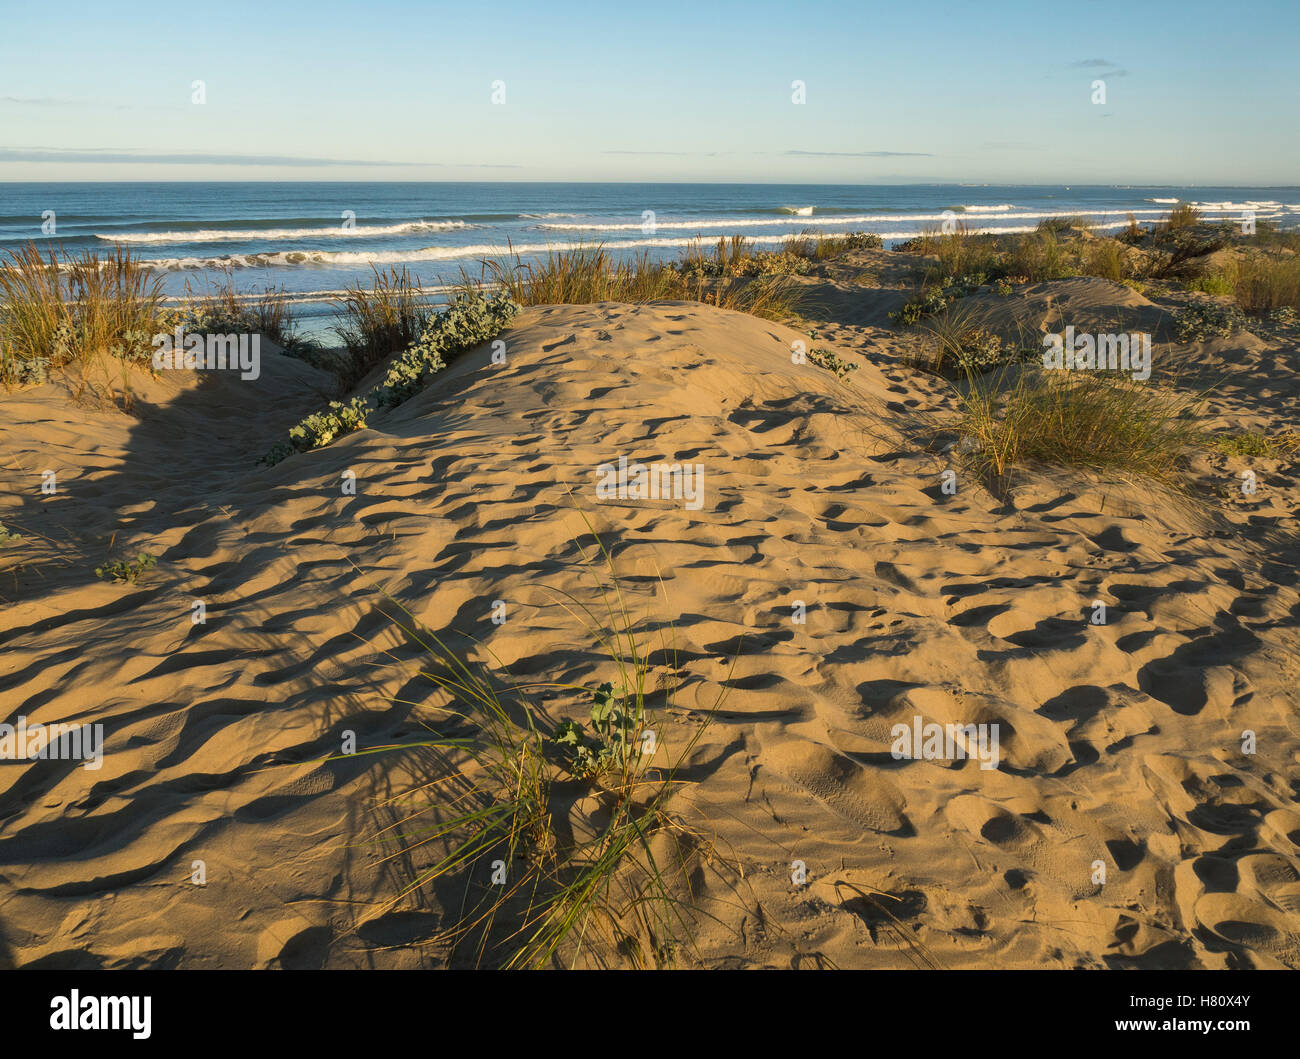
1133, 233
584, 275
1039, 256
55, 313
566, 851
957, 342
222, 307
1087, 420
1062, 225
1106, 258
1184, 215
592, 274
383, 318
1256, 446
8, 538
1264, 282
959, 252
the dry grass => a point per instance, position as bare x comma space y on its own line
1088, 420
550, 866
57, 313
220, 306
1039, 256
1266, 282
593, 274
379, 320
1184, 215
1106, 258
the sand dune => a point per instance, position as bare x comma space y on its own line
1120, 743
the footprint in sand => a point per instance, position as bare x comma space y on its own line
865, 798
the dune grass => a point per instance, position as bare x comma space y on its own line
1039, 256
1184, 215
56, 313
959, 341
556, 863
1106, 258
220, 306
1030, 257
380, 319
582, 276
586, 275
959, 252
1265, 282
1088, 420
1284, 445
1062, 225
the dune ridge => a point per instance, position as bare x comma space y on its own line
1120, 743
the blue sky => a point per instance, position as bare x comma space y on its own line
996, 92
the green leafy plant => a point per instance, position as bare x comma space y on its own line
470, 319
320, 428
9, 539
932, 301
595, 859
122, 571
1211, 283
617, 722
830, 361
1202, 320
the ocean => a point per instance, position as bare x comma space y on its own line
314, 239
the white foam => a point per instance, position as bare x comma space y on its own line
987, 209
877, 218
232, 235
343, 258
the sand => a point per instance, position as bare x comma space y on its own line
1121, 744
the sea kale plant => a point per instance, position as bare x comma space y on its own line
121, 571
935, 300
837, 365
616, 722
468, 321
1202, 320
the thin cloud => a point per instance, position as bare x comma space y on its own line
671, 154
860, 154
36, 101
113, 156
1112, 69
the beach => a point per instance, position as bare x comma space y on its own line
905, 706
